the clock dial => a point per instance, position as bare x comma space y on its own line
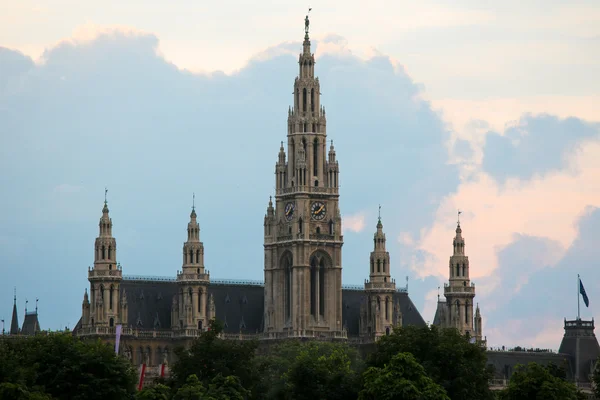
289, 211
318, 210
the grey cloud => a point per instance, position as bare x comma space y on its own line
463, 149
112, 113
536, 146
550, 291
13, 65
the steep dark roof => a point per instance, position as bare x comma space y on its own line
579, 335
14, 324
440, 313
149, 303
238, 304
240, 307
31, 324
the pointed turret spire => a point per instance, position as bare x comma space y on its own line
193, 213
14, 324
459, 242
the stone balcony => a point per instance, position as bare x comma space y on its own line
111, 274
459, 289
307, 189
319, 237
381, 286
198, 278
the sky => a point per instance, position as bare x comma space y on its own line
487, 107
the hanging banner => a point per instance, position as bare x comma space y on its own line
118, 338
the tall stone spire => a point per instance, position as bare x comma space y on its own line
380, 287
459, 291
303, 228
192, 280
105, 277
14, 323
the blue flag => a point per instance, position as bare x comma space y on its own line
583, 294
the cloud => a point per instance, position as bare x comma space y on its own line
547, 206
14, 65
535, 146
108, 110
547, 297
354, 223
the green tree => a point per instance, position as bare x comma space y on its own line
321, 371
155, 392
402, 379
220, 388
596, 379
209, 356
66, 367
13, 391
535, 381
191, 390
447, 357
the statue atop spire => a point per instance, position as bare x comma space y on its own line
306, 24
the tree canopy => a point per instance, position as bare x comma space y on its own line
210, 356
535, 381
447, 357
403, 378
65, 367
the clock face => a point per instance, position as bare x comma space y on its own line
289, 211
318, 210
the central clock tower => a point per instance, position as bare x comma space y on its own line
303, 229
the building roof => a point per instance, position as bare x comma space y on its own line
238, 304
31, 325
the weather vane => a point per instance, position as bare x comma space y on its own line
380, 212
105, 193
459, 212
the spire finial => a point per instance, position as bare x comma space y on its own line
15, 297
36, 304
307, 23
459, 212
193, 201
105, 193
438, 293
380, 213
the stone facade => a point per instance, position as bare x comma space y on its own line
303, 230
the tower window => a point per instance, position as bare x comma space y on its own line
304, 100
312, 100
457, 270
383, 265
109, 252
318, 230
464, 270
103, 252
378, 265
330, 227
372, 266
111, 322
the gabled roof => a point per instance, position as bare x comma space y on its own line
31, 325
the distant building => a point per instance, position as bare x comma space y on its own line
31, 325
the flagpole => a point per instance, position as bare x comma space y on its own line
578, 300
